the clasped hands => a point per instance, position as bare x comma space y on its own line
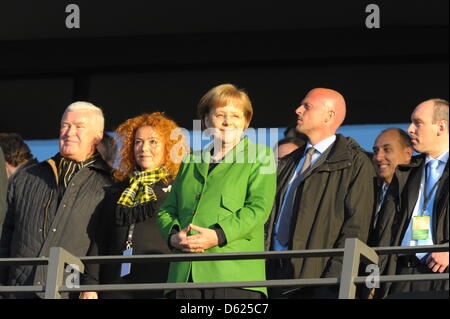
198, 243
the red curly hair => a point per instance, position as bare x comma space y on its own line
163, 126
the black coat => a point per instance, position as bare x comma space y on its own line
112, 235
29, 231
3, 187
381, 234
335, 202
28, 163
397, 212
4, 184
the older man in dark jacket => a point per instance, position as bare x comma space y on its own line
54, 203
325, 194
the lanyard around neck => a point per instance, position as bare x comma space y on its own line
129, 242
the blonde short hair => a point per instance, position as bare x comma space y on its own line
223, 95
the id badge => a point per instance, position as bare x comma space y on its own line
126, 268
420, 227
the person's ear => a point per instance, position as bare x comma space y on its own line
442, 127
98, 138
9, 169
247, 124
409, 151
330, 115
206, 121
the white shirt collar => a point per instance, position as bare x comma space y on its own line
322, 145
443, 158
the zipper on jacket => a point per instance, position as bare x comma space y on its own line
46, 214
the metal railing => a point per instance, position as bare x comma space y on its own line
354, 252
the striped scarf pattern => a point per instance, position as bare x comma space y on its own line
140, 190
68, 168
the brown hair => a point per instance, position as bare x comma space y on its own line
15, 149
440, 111
164, 127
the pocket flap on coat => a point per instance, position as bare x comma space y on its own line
230, 203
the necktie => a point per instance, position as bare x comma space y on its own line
431, 184
307, 162
380, 199
432, 177
286, 213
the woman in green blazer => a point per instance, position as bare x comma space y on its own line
220, 200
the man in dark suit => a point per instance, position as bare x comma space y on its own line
324, 195
423, 217
391, 148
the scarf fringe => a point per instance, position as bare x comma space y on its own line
125, 216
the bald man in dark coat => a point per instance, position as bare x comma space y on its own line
325, 194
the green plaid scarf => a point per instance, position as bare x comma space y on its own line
140, 190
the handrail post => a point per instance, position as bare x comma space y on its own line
55, 272
353, 250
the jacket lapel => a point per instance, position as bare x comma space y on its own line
238, 152
410, 195
334, 158
52, 164
201, 161
285, 172
441, 194
322, 159
414, 187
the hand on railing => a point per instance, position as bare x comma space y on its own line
438, 262
88, 295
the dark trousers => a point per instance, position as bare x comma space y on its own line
278, 269
410, 265
218, 293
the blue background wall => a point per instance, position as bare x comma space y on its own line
363, 134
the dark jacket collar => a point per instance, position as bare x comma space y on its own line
202, 158
29, 163
340, 151
415, 169
99, 164
339, 155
